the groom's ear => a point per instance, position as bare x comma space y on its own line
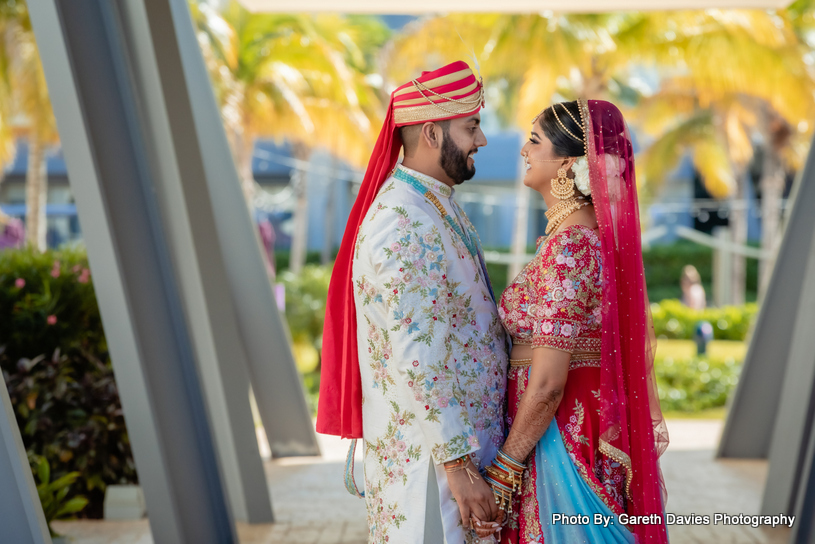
432, 135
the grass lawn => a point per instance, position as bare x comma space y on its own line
713, 413
719, 349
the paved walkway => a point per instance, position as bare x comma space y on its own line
312, 506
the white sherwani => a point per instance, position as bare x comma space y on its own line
432, 355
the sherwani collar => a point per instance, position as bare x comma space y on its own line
430, 183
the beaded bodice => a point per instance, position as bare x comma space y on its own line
556, 300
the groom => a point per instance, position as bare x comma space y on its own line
414, 359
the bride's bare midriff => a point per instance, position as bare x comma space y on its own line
525, 352
521, 352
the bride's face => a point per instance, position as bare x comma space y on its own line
540, 161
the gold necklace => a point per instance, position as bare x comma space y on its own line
561, 210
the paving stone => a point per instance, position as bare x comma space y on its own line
312, 507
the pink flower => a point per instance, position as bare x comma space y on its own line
55, 270
570, 262
567, 284
473, 441
51, 320
83, 277
566, 329
396, 246
19, 283
444, 402
547, 327
560, 259
570, 294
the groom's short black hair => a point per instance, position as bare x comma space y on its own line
410, 135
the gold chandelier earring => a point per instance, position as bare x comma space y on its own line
562, 186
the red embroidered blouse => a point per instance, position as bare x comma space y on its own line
556, 302
556, 299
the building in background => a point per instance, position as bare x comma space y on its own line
489, 198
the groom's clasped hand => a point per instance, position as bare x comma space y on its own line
475, 499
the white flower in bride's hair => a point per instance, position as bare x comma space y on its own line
615, 165
581, 175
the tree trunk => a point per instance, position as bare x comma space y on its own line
738, 225
772, 190
773, 177
36, 194
328, 227
520, 232
244, 148
299, 237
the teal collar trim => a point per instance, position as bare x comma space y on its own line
429, 182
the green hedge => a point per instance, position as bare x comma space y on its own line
56, 366
674, 320
306, 293
693, 384
663, 268
683, 376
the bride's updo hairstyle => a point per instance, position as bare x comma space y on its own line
563, 144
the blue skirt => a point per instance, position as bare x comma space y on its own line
570, 512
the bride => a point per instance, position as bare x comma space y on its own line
580, 461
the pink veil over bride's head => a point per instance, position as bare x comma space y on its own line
632, 429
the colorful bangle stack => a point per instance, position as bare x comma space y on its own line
504, 476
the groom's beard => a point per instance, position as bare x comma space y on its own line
454, 162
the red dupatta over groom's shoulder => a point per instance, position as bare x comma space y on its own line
447, 93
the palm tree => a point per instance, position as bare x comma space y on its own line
527, 61
726, 75
730, 77
295, 77
27, 110
6, 135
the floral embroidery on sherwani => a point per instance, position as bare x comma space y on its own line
555, 302
432, 356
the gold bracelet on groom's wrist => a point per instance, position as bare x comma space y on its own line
461, 464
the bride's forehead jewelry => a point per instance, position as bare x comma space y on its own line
583, 126
562, 105
527, 159
559, 122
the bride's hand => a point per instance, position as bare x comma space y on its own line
486, 529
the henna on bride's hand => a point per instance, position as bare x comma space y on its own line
535, 411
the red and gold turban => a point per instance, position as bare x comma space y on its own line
450, 92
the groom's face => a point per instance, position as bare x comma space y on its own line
461, 140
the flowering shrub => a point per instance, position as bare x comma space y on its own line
55, 363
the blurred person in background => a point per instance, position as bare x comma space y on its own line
585, 426
414, 355
693, 293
